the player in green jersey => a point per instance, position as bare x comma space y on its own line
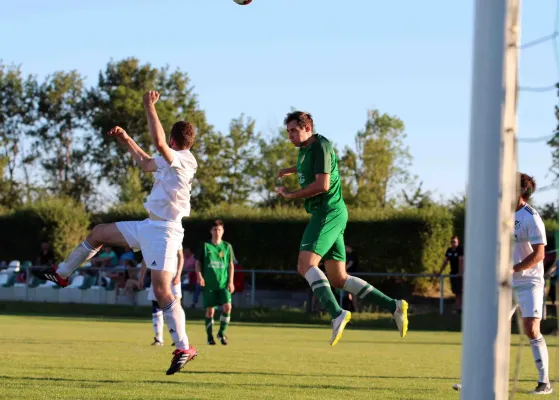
215, 269
317, 171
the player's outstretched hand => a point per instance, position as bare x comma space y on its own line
151, 97
283, 192
117, 132
285, 172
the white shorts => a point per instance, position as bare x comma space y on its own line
530, 299
175, 289
159, 241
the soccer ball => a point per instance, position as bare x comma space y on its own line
243, 2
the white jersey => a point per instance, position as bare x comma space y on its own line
528, 230
170, 196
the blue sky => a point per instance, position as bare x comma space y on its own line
335, 59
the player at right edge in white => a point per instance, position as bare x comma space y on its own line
528, 279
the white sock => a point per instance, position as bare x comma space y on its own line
541, 358
355, 286
315, 274
157, 319
176, 322
82, 253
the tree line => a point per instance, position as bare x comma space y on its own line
53, 143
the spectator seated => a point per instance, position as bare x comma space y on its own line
14, 266
7, 279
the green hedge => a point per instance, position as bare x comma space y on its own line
389, 241
60, 222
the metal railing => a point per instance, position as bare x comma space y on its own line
100, 273
441, 278
253, 272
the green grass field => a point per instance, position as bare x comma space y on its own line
72, 358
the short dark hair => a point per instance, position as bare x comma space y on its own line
183, 133
527, 186
454, 237
217, 223
302, 118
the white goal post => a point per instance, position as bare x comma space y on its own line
491, 197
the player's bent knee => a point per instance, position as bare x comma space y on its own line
302, 269
163, 294
307, 260
338, 281
96, 236
532, 327
227, 308
106, 234
336, 272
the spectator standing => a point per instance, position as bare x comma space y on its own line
455, 256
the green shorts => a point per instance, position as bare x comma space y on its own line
217, 297
324, 235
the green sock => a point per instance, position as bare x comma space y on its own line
366, 292
323, 292
224, 322
209, 326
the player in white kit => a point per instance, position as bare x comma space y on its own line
160, 236
528, 279
156, 312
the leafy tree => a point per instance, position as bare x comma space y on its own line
131, 187
419, 198
241, 156
17, 106
208, 190
275, 153
549, 211
554, 144
117, 100
58, 138
378, 164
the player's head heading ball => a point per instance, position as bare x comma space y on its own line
527, 186
300, 127
182, 135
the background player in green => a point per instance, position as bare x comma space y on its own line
215, 269
317, 171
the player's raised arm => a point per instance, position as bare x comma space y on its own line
144, 160
155, 128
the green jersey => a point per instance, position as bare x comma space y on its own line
215, 261
319, 158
